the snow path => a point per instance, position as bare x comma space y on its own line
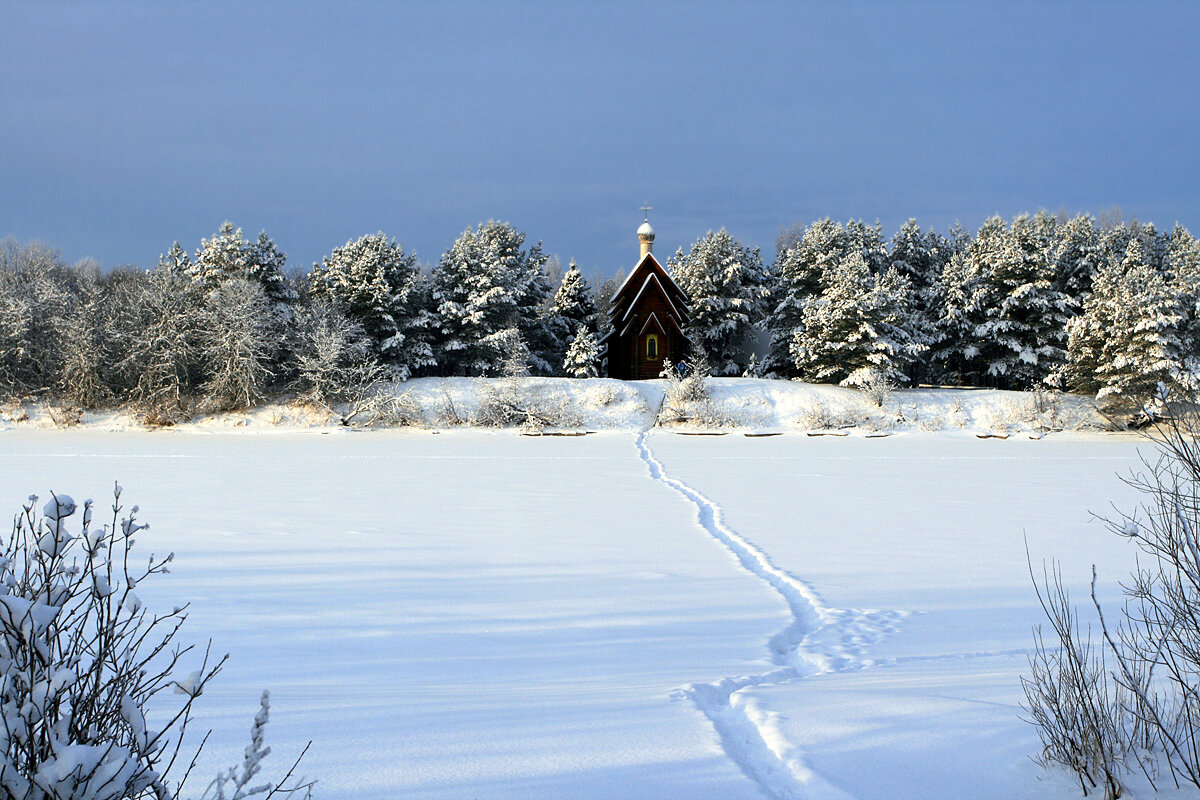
820, 639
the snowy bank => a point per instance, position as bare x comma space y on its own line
565, 405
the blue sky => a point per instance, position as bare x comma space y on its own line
124, 127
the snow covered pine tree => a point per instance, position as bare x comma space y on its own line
859, 330
583, 354
484, 287
378, 286
727, 288
1127, 342
572, 312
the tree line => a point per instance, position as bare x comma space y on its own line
1041, 300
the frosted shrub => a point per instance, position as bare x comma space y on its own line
605, 395
815, 416
524, 403
64, 416
877, 386
819, 416
1039, 408
447, 414
517, 400
687, 395
397, 411
81, 659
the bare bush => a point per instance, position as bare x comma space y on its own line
1080, 714
159, 336
1154, 643
236, 344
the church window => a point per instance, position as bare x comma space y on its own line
652, 346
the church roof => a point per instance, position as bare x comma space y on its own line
669, 288
651, 278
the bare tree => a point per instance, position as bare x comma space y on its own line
86, 350
34, 299
236, 344
158, 339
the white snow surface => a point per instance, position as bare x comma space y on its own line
476, 614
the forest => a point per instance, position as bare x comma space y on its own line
1109, 308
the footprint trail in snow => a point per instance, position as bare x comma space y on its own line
820, 639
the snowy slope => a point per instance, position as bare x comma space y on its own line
741, 404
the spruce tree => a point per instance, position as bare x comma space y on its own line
1183, 272
799, 271
920, 257
582, 354
859, 330
954, 350
267, 270
1022, 316
573, 300
1078, 255
176, 260
485, 287
378, 286
1127, 341
868, 241
727, 288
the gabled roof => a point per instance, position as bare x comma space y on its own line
647, 277
651, 278
652, 318
649, 262
658, 324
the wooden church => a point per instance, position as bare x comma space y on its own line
645, 324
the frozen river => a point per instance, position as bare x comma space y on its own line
476, 615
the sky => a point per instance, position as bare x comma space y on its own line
127, 126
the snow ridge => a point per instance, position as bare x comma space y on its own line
820, 639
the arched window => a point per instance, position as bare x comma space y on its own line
651, 346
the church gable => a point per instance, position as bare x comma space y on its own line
655, 286
646, 319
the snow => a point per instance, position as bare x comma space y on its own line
59, 507
744, 405
480, 614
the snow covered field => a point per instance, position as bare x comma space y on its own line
623, 615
